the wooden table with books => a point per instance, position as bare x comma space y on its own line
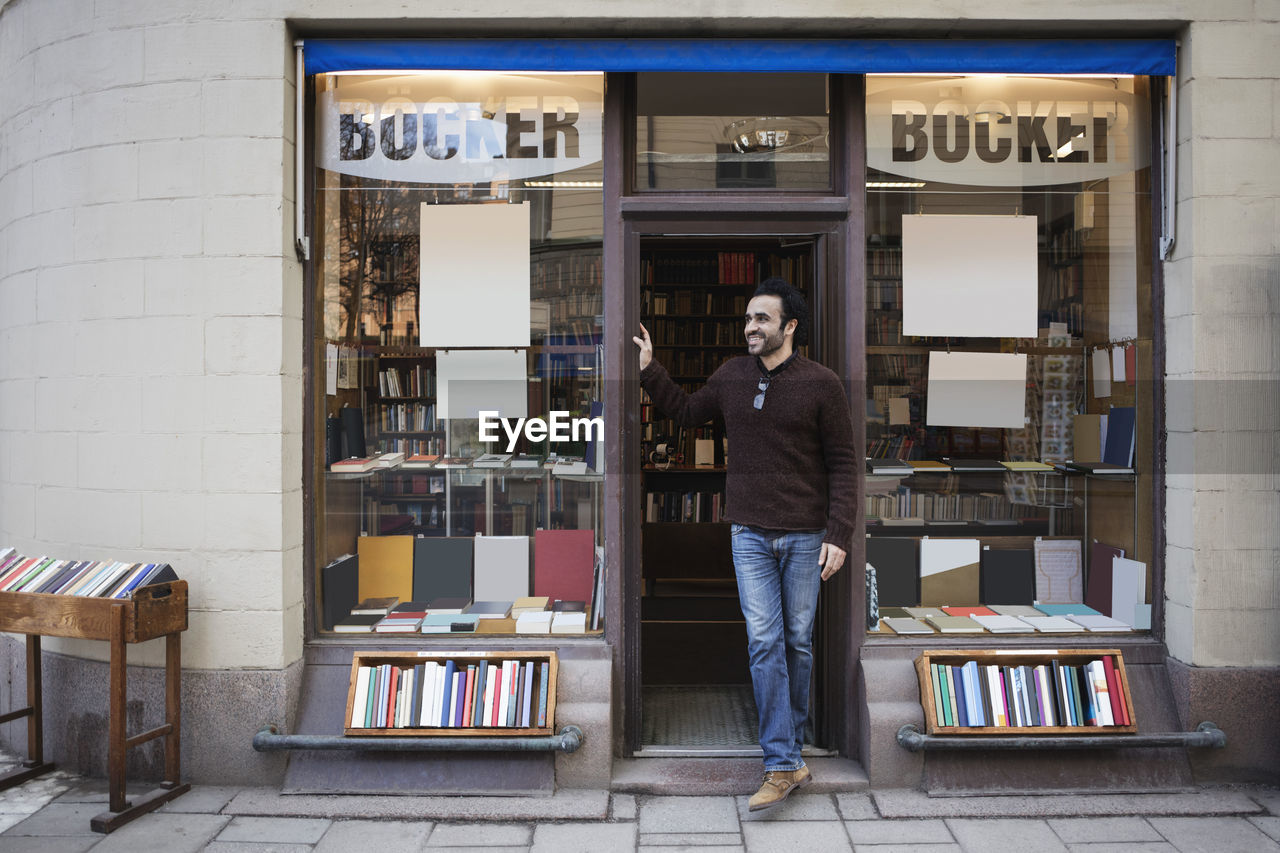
98, 600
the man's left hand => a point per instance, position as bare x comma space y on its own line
830, 559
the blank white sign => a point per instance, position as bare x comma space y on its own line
969, 276
977, 389
474, 381
474, 275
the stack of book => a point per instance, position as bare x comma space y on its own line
1053, 693
448, 694
90, 578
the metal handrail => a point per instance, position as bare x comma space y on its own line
569, 738
1206, 735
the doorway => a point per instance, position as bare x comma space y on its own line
693, 696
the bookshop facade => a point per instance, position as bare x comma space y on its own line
467, 491
977, 249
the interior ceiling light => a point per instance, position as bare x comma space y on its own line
894, 185
564, 184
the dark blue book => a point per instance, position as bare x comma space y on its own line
1119, 446
957, 676
449, 670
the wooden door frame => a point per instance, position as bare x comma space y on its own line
837, 219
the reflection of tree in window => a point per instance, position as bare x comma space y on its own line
379, 255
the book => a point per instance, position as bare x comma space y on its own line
354, 465
388, 460
928, 466
968, 610
566, 606
564, 562
453, 462
534, 622
527, 706
954, 624
357, 623
566, 466
442, 567
379, 606
488, 609
544, 672
529, 604
1101, 468
448, 623
1059, 573
447, 604
895, 467
491, 460
998, 624
569, 623
338, 589
420, 460
1097, 588
1007, 576
496, 626
406, 623
1051, 624
1023, 466
1128, 589
1018, 610
974, 466
1072, 609
525, 460
501, 570
907, 625
896, 562
1118, 449
1098, 622
924, 612
386, 567
360, 698
949, 571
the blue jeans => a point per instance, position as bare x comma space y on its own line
778, 583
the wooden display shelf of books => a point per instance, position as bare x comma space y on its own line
146, 613
1019, 689
476, 703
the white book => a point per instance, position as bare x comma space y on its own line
503, 699
430, 677
406, 718
569, 623
997, 696
1051, 624
1002, 624
361, 700
490, 678
1099, 675
1046, 693
535, 622
501, 568
1098, 622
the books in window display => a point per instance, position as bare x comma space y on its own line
1029, 691
456, 693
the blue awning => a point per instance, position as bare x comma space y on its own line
837, 56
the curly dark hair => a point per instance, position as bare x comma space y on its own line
794, 306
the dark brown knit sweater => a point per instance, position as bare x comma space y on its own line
792, 464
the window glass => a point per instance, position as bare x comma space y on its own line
731, 131
1008, 339
458, 309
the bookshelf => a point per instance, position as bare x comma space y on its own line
151, 612
542, 702
937, 714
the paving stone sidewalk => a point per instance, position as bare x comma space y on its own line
51, 815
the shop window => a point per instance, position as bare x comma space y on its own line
458, 384
712, 131
1009, 343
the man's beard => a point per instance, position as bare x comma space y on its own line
768, 344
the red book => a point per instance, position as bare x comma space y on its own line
563, 564
1118, 710
969, 611
392, 683
469, 691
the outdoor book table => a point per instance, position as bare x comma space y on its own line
159, 610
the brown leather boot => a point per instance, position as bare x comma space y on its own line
777, 786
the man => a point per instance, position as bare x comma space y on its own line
791, 495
